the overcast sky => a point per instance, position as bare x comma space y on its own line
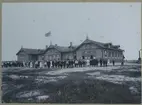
25, 24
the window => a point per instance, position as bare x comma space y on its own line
112, 54
115, 54
70, 57
109, 54
105, 53
46, 57
118, 54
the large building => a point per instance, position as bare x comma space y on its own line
86, 50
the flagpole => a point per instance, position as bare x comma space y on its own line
48, 35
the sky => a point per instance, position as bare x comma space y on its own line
25, 24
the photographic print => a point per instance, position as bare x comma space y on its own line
71, 53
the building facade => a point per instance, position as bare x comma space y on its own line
88, 49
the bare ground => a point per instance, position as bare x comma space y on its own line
78, 85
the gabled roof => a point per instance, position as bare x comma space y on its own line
31, 51
69, 48
102, 45
62, 48
91, 41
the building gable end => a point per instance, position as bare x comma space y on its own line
20, 51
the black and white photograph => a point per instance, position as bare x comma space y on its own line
71, 52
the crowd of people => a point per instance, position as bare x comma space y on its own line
57, 63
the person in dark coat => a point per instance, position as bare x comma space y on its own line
64, 63
48, 64
113, 62
81, 63
91, 62
56, 64
95, 62
101, 62
122, 63
106, 62
72, 62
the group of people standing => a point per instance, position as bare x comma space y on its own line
57, 63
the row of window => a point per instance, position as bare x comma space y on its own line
69, 57
113, 54
90, 52
52, 56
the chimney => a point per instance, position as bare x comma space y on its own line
46, 46
70, 44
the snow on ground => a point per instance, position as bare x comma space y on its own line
14, 76
94, 74
70, 70
27, 94
17, 76
131, 70
43, 79
54, 75
43, 97
133, 89
119, 79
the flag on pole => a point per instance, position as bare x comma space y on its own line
48, 34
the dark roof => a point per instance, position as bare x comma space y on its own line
69, 48
31, 51
62, 48
102, 45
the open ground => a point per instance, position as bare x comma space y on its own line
112, 84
